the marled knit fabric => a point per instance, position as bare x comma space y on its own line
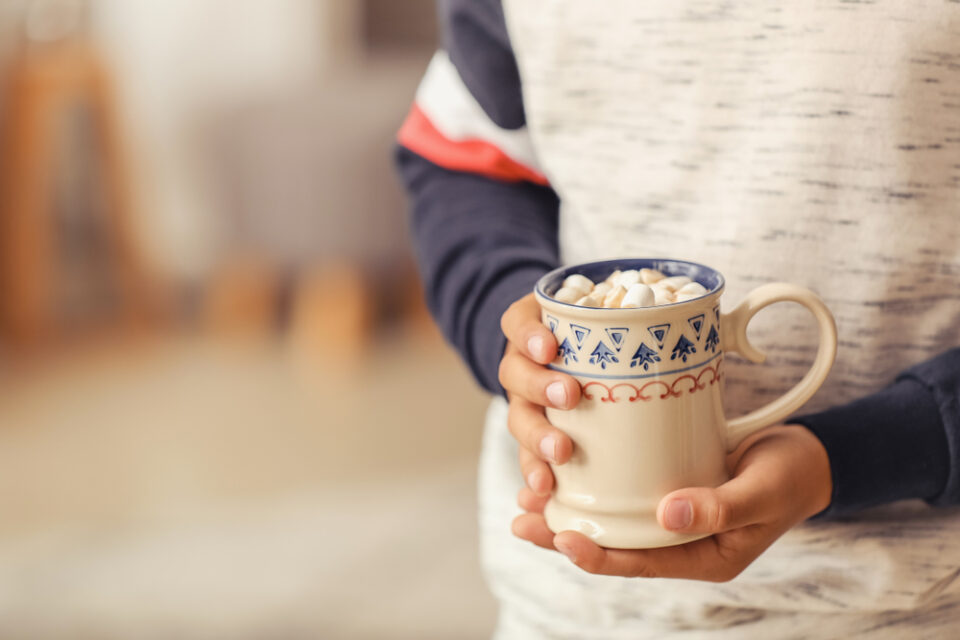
888, 574
816, 143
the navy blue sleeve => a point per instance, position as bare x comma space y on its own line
475, 36
902, 442
481, 244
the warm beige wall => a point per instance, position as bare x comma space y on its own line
283, 99
177, 60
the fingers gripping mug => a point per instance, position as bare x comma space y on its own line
651, 419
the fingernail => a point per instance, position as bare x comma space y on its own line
532, 478
567, 551
535, 346
678, 514
557, 394
548, 447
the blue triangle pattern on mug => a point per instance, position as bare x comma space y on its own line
602, 355
659, 333
713, 339
552, 323
697, 323
565, 351
644, 356
617, 336
580, 334
682, 349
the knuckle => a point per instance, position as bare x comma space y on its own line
512, 310
729, 572
719, 517
512, 426
591, 566
534, 388
502, 372
645, 571
523, 429
527, 464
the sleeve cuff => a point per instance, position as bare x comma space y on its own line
884, 447
488, 340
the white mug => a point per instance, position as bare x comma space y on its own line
650, 418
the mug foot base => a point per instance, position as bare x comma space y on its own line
636, 531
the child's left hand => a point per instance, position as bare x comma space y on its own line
781, 476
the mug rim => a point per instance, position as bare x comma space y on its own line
561, 273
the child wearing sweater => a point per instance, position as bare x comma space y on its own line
817, 144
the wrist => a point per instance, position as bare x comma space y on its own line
817, 480
888, 446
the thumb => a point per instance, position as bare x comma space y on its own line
736, 504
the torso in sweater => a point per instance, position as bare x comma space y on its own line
814, 142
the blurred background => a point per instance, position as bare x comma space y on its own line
224, 412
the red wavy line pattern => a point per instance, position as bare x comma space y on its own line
687, 383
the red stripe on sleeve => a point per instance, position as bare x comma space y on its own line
471, 155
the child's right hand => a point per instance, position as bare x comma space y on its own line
530, 387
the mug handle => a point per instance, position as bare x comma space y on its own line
733, 337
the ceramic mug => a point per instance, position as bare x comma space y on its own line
650, 418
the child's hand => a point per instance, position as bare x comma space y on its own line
781, 476
530, 387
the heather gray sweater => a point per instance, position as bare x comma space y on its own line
815, 143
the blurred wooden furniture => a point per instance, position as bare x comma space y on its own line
43, 88
242, 299
332, 315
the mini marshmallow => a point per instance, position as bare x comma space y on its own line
629, 290
674, 283
615, 297
629, 278
578, 282
613, 278
592, 300
603, 288
662, 295
567, 294
649, 276
638, 295
694, 288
